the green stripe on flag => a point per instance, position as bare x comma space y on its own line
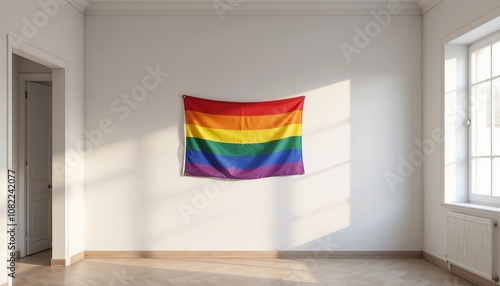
228, 149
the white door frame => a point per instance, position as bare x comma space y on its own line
60, 148
21, 172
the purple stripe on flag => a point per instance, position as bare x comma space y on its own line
286, 169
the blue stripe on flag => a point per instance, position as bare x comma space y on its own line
243, 162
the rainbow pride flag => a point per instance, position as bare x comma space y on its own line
243, 140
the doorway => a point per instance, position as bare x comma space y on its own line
35, 118
58, 221
34, 100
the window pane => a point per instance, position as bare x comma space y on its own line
496, 117
481, 176
481, 64
496, 59
481, 120
496, 177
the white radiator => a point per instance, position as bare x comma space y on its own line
470, 243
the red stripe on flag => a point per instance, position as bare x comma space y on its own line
243, 108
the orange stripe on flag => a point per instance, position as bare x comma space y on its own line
229, 122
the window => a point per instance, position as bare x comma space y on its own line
484, 116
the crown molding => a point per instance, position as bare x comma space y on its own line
426, 5
81, 5
246, 8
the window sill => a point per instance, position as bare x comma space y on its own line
473, 207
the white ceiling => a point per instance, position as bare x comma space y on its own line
249, 7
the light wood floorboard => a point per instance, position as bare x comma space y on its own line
35, 271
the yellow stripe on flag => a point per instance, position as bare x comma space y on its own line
243, 136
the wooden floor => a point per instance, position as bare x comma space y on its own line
35, 270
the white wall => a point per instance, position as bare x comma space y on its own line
61, 36
360, 119
445, 19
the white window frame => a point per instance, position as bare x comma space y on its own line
476, 198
